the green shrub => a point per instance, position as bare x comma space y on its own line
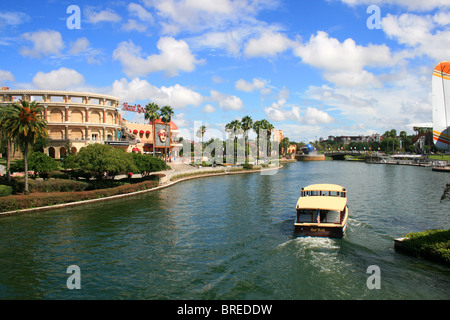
18, 202
430, 244
5, 190
57, 185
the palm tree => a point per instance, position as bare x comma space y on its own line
152, 114
257, 125
25, 125
200, 132
269, 127
6, 112
246, 124
166, 116
234, 128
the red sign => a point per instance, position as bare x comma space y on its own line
135, 108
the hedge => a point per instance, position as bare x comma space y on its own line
19, 202
5, 190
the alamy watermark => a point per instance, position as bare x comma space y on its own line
236, 150
74, 20
74, 281
374, 280
374, 21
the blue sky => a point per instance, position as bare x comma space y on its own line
312, 68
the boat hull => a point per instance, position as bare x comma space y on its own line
319, 231
328, 230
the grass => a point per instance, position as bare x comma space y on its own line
430, 244
439, 157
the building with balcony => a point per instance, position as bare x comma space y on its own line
77, 119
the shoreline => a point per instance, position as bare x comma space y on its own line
193, 174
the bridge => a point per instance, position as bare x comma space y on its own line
340, 155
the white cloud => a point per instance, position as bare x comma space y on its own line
418, 5
79, 46
243, 85
175, 96
343, 63
269, 43
175, 56
144, 18
426, 35
60, 79
208, 109
403, 101
44, 43
6, 76
102, 16
140, 12
309, 115
200, 15
9, 18
227, 102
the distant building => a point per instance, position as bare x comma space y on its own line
347, 139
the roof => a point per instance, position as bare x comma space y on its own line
324, 187
322, 202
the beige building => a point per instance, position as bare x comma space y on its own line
77, 119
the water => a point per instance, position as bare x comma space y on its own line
232, 237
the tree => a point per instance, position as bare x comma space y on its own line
146, 164
5, 137
234, 128
24, 126
99, 159
246, 125
38, 162
269, 127
284, 145
257, 126
200, 132
152, 114
166, 116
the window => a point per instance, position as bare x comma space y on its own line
94, 136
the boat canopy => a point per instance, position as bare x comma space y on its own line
324, 187
322, 203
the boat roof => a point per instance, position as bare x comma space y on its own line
322, 202
324, 187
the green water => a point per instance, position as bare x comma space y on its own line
232, 237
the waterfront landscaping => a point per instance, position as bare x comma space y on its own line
431, 245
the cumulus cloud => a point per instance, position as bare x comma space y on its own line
45, 42
343, 63
174, 56
6, 76
60, 79
208, 109
11, 18
142, 21
308, 115
256, 84
269, 43
137, 89
227, 102
200, 15
426, 35
417, 5
102, 16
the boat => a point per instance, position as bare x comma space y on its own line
322, 211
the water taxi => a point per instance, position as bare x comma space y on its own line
322, 211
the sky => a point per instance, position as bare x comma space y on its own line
311, 68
